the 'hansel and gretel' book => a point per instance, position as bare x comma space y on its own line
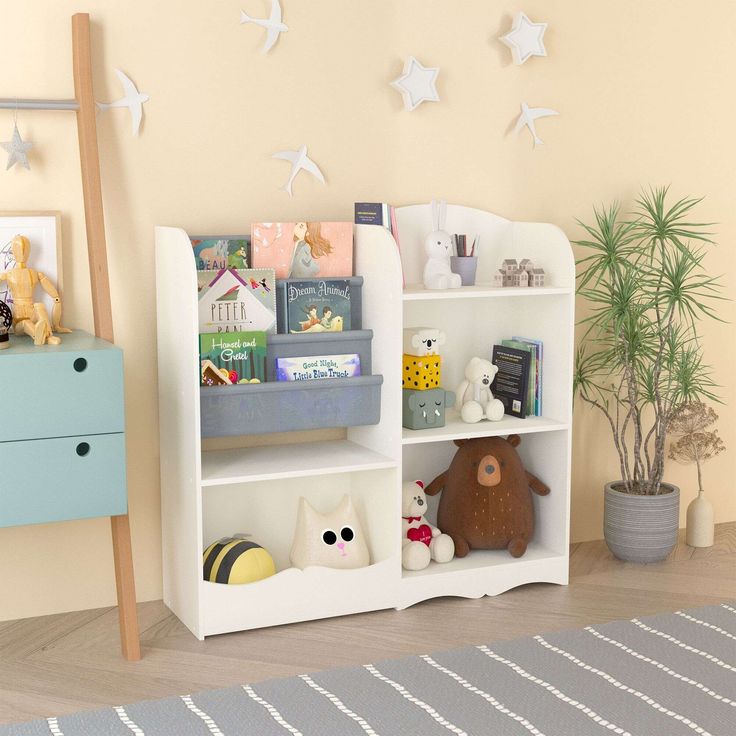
214, 253
315, 367
237, 300
317, 305
232, 357
303, 250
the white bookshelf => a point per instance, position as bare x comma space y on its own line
214, 493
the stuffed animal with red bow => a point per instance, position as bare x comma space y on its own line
421, 542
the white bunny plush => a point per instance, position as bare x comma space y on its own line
438, 249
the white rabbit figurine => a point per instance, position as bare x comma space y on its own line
438, 248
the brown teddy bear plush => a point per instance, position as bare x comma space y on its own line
486, 500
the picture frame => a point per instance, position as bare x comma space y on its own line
43, 229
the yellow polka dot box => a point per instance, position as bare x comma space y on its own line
421, 373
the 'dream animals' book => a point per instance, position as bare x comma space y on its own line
232, 357
303, 250
237, 300
215, 253
316, 367
317, 305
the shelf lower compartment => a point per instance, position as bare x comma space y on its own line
456, 428
264, 408
483, 572
296, 595
223, 467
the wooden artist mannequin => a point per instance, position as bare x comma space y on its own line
29, 317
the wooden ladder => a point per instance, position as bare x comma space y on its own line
84, 105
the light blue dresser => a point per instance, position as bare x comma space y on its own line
62, 424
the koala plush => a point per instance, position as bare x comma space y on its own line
420, 541
421, 341
425, 409
474, 395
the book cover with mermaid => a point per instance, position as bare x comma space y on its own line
303, 250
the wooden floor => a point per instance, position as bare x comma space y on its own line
69, 662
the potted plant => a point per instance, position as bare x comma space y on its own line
696, 444
640, 359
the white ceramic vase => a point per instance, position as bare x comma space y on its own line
700, 522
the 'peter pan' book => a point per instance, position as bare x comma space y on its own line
232, 357
237, 300
214, 253
317, 305
303, 250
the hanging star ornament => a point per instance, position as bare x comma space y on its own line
17, 150
417, 84
525, 39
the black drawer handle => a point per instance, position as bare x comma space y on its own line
80, 364
83, 449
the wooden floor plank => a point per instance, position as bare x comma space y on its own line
61, 664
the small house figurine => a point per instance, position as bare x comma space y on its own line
518, 274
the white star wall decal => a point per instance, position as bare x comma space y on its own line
417, 84
525, 39
17, 150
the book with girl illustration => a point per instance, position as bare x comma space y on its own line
303, 250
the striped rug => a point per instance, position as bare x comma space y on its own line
661, 675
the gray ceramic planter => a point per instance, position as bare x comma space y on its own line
641, 528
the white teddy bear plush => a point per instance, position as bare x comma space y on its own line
438, 249
421, 542
474, 395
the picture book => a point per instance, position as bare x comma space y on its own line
317, 367
232, 357
215, 253
317, 305
237, 300
372, 213
531, 406
303, 250
512, 380
539, 348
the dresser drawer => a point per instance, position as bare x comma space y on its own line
61, 390
62, 478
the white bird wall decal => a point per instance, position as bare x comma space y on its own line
273, 24
133, 100
528, 116
299, 160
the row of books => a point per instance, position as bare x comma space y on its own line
518, 383
292, 249
240, 307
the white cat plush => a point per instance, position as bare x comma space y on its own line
334, 539
438, 249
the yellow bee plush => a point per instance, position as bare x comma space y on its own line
237, 560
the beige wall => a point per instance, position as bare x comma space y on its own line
644, 92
